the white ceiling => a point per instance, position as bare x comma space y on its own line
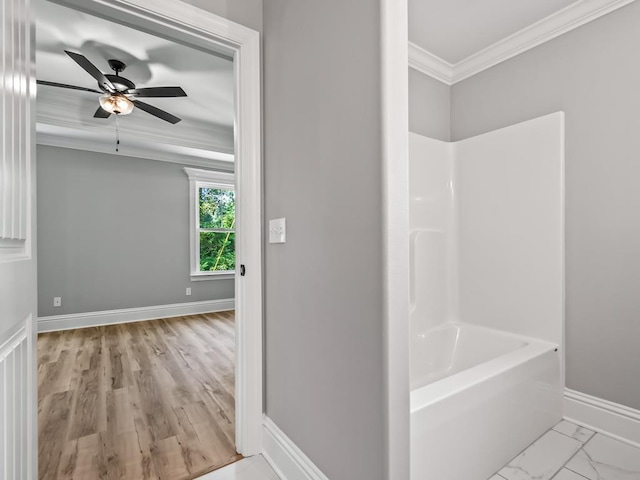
66, 116
456, 29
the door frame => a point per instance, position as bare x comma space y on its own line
185, 23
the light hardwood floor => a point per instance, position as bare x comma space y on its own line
145, 400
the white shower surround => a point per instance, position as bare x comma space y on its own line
487, 296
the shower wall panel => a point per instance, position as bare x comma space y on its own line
431, 232
510, 228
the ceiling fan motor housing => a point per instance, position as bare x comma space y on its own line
121, 83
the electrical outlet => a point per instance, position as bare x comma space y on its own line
188, 292
57, 301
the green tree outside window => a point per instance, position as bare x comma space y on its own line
217, 208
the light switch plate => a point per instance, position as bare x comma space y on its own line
277, 230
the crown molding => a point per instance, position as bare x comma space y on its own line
75, 128
559, 23
429, 64
217, 160
64, 109
200, 145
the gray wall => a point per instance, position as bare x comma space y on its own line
593, 74
113, 232
429, 106
324, 351
244, 12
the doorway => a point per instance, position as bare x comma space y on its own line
208, 32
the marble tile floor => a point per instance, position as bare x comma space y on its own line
571, 452
566, 452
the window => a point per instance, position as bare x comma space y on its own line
213, 221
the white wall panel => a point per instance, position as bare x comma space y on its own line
15, 396
431, 226
487, 230
18, 449
510, 228
14, 99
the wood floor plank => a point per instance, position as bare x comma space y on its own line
84, 415
121, 419
144, 439
146, 400
50, 348
132, 463
171, 459
83, 459
52, 424
68, 462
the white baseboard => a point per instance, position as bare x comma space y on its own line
286, 459
126, 315
612, 419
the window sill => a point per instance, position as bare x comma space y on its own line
201, 277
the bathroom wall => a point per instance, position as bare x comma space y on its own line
325, 358
429, 106
593, 74
244, 12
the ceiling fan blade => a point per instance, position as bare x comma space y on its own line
101, 113
64, 85
92, 70
157, 92
155, 111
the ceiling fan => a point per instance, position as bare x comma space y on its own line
119, 94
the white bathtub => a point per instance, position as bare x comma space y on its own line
478, 397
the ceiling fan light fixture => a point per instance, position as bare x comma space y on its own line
118, 91
116, 103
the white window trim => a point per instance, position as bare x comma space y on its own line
199, 178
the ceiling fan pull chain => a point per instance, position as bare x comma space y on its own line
117, 134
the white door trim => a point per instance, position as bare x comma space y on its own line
190, 24
395, 210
